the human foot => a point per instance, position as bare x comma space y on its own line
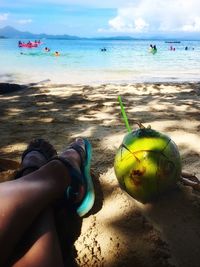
37, 153
75, 154
77, 159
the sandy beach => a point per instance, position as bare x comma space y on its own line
119, 231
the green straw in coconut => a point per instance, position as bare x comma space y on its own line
124, 114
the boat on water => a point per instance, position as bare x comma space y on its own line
29, 44
173, 42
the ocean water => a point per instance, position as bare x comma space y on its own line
82, 61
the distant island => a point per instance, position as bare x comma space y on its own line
10, 32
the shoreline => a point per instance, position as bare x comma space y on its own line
96, 77
119, 230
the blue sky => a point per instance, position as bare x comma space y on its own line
102, 18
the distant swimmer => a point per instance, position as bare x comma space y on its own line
103, 49
152, 49
172, 48
186, 48
56, 54
47, 49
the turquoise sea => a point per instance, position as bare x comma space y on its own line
82, 61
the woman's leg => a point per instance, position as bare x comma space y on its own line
24, 199
40, 245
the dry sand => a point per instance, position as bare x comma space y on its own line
119, 231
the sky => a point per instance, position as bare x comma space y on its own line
93, 18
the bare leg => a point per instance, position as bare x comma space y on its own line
42, 247
24, 199
39, 246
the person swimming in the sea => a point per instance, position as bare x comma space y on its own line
56, 54
47, 49
152, 49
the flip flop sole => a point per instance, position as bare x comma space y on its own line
88, 200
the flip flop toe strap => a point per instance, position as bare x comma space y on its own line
42, 146
79, 149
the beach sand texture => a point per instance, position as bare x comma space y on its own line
119, 231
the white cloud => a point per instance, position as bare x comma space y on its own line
157, 16
4, 16
126, 22
24, 21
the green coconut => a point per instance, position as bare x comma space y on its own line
147, 164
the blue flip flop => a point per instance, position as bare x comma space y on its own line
83, 178
89, 197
